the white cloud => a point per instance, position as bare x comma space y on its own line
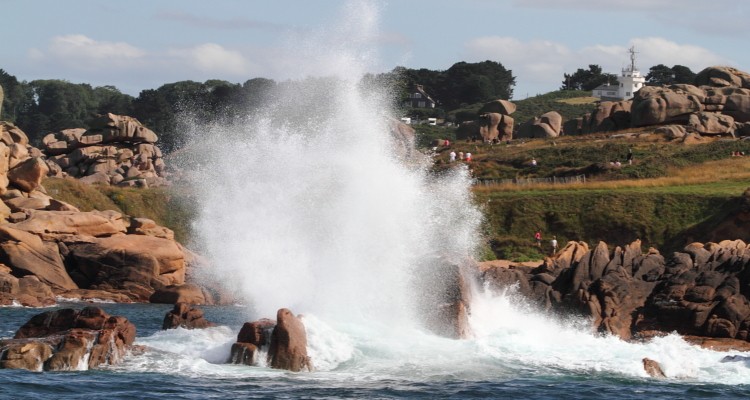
83, 48
539, 65
620, 5
211, 57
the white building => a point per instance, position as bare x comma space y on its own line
629, 82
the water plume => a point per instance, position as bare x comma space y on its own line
307, 205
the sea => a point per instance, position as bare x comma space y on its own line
514, 352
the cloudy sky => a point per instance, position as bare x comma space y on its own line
142, 44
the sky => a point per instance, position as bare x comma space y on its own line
142, 44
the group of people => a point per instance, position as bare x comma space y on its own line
553, 242
461, 156
738, 154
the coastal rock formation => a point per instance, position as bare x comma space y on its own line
445, 307
288, 348
115, 150
185, 316
718, 103
403, 138
626, 291
253, 337
494, 123
68, 339
653, 368
549, 125
188, 293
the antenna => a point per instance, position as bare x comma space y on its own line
632, 52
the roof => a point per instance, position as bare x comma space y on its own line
607, 87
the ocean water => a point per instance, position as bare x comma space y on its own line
515, 353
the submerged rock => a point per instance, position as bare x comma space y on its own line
182, 315
653, 368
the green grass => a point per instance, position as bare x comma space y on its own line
169, 207
659, 216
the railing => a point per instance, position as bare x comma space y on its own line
530, 181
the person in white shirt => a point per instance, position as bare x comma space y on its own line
553, 242
452, 156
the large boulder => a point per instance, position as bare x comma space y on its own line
654, 105
608, 116
288, 349
503, 107
711, 123
28, 175
722, 76
549, 125
27, 254
114, 128
136, 264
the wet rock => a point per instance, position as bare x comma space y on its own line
185, 316
653, 368
67, 339
288, 349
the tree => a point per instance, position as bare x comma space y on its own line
18, 97
587, 79
663, 75
660, 75
683, 74
470, 83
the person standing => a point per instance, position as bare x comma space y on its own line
553, 242
630, 156
452, 156
538, 238
468, 157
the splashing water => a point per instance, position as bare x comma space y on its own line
305, 205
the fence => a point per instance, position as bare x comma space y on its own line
530, 181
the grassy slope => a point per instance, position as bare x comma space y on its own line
170, 207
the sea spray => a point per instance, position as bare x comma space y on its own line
306, 204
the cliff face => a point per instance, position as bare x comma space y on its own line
700, 291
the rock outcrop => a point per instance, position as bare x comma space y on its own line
68, 339
549, 125
494, 123
627, 292
288, 349
253, 337
116, 150
718, 103
284, 339
185, 316
445, 304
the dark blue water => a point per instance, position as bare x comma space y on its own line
138, 382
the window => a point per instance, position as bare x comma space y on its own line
627, 93
417, 96
421, 104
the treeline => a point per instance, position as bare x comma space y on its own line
42, 106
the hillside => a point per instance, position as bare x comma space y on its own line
671, 195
